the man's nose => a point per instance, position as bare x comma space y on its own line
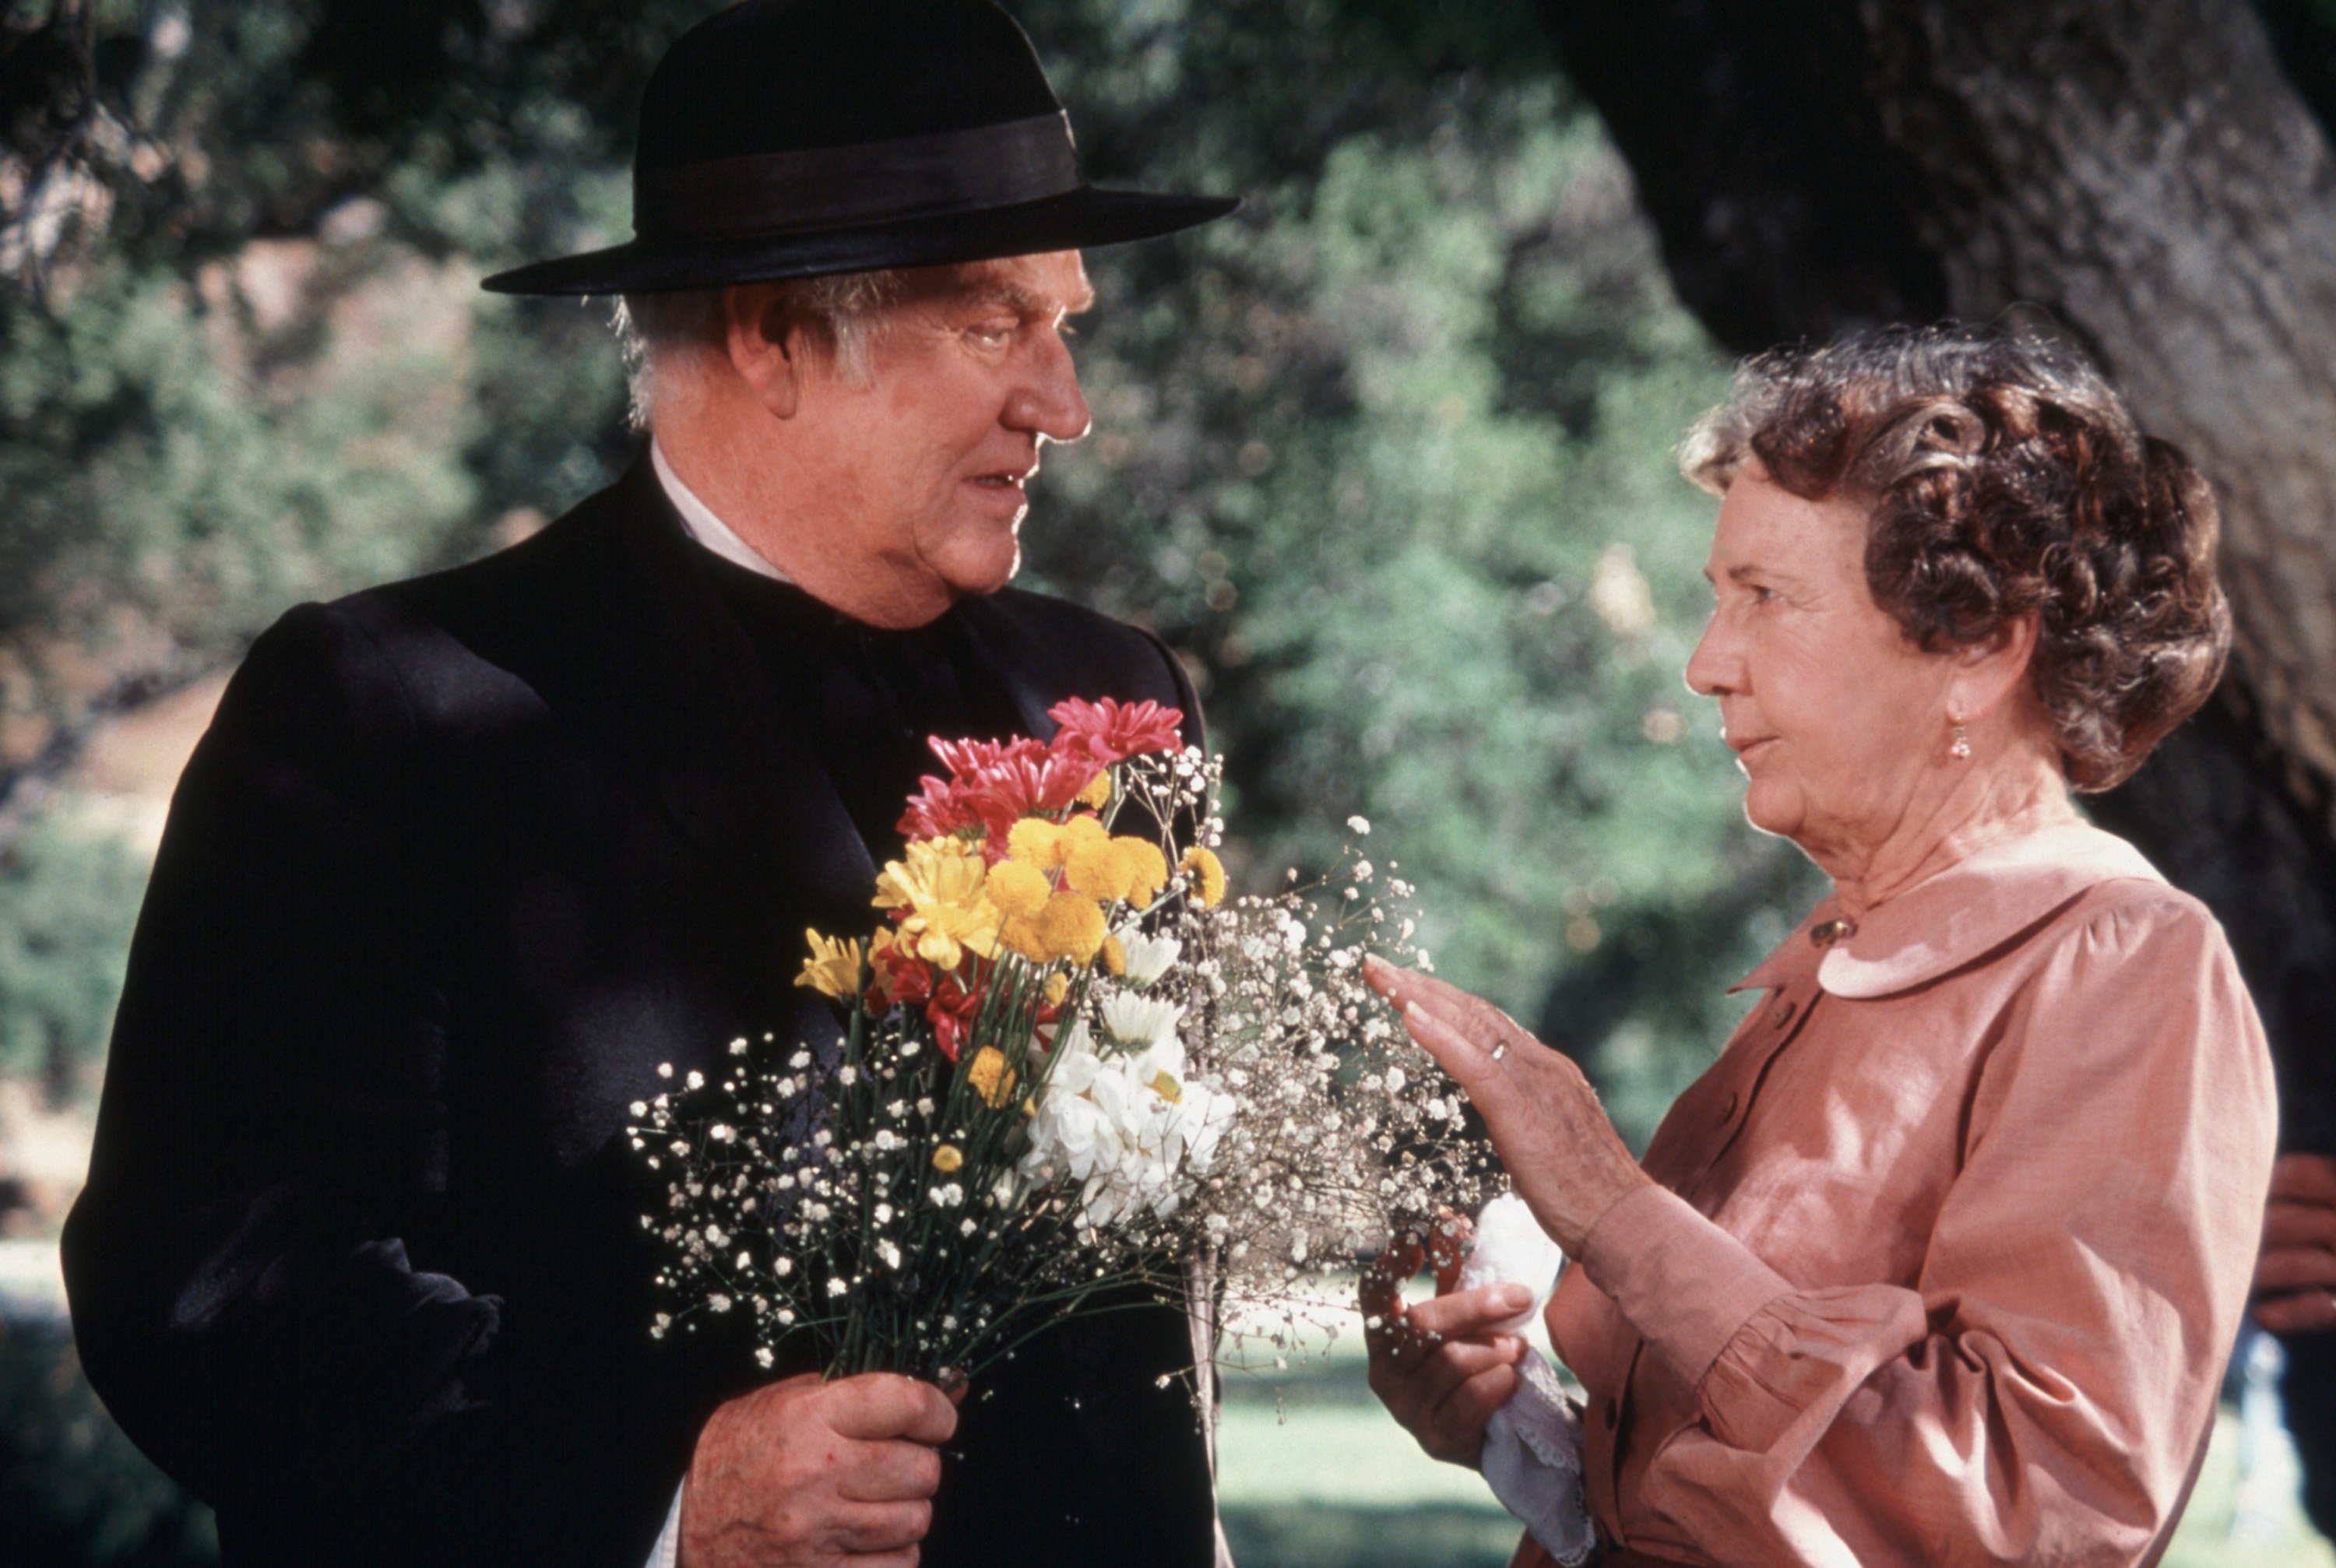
1048, 402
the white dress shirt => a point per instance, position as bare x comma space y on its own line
704, 526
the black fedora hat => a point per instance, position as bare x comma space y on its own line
792, 138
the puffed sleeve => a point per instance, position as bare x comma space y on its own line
2042, 1395
272, 1126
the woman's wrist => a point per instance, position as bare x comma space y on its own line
1614, 1183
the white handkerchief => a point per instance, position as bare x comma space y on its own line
1533, 1461
1510, 1248
1533, 1444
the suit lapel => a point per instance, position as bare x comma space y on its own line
734, 769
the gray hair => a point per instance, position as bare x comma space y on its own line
667, 335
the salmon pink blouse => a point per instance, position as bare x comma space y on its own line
1947, 1250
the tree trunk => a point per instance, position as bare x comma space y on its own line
2143, 171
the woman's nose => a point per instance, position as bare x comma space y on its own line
1713, 667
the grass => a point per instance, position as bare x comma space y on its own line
1313, 1474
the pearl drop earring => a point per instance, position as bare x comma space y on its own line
1960, 749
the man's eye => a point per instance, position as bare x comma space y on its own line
992, 334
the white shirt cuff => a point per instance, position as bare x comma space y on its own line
666, 1553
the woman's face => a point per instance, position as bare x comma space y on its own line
1836, 719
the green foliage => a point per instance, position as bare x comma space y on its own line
68, 899
160, 475
74, 1490
247, 363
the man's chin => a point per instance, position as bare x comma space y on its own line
973, 577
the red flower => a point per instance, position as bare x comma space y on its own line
971, 761
951, 1012
903, 980
938, 808
900, 978
1002, 782
1111, 731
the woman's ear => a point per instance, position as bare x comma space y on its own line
765, 346
1986, 673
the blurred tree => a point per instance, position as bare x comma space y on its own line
67, 895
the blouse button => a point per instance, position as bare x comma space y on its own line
1782, 1013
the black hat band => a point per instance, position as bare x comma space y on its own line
1000, 165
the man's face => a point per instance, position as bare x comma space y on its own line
922, 463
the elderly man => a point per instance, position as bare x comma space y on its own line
462, 859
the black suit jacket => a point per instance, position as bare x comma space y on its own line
460, 862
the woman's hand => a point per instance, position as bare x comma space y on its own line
1436, 1367
1568, 1162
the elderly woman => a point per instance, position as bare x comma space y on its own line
1940, 1261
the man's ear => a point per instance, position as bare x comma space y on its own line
1988, 672
766, 345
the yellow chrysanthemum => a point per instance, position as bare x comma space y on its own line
1019, 934
941, 888
1114, 957
1071, 926
1147, 868
1035, 841
1095, 867
1098, 792
1059, 986
834, 967
1018, 888
990, 1076
948, 1159
1208, 874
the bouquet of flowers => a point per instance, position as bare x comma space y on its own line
1074, 1076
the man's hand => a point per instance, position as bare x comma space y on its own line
1436, 1366
2295, 1276
807, 1474
1569, 1163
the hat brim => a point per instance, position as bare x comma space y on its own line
1074, 220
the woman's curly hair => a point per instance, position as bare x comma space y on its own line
2006, 479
